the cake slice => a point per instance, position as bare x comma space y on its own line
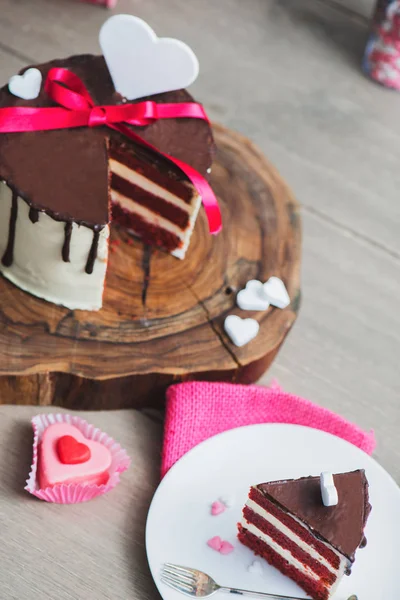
152, 198
287, 524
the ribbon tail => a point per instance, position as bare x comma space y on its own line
209, 200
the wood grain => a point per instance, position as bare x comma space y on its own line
162, 319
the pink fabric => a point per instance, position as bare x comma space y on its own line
198, 410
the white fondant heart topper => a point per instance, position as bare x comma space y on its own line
328, 489
253, 296
241, 331
26, 86
140, 63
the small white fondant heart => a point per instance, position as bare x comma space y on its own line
255, 568
227, 500
328, 489
140, 63
276, 292
241, 331
253, 296
26, 86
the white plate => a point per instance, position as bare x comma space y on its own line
179, 521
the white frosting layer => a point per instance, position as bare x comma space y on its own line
286, 554
146, 184
259, 510
38, 267
148, 215
294, 537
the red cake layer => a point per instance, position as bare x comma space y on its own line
314, 588
287, 544
295, 526
150, 234
156, 204
154, 169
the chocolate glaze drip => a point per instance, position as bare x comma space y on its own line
67, 242
93, 252
34, 214
363, 542
8, 255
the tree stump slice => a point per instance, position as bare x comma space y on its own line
162, 319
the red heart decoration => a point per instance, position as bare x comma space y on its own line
71, 452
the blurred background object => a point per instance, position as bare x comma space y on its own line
382, 54
106, 3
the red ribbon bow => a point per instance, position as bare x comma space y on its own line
78, 110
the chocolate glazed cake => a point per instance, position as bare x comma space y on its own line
60, 190
287, 524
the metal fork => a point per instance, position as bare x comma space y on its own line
196, 583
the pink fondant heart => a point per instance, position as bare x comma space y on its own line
217, 508
215, 543
226, 548
52, 471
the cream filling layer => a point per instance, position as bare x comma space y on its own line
146, 214
293, 536
147, 185
286, 554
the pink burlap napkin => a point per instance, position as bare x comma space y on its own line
198, 410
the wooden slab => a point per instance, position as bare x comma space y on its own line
162, 319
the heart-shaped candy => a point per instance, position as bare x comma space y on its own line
215, 543
226, 548
219, 545
255, 568
276, 292
253, 296
241, 331
227, 500
71, 452
140, 63
328, 489
26, 86
217, 508
90, 460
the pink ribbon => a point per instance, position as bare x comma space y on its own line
76, 109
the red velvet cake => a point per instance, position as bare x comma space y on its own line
287, 524
60, 189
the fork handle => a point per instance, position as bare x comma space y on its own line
258, 594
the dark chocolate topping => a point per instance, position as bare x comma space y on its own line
65, 172
93, 252
67, 241
8, 255
342, 525
33, 214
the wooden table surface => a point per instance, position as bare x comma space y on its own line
287, 74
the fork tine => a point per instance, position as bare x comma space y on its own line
176, 584
186, 570
182, 574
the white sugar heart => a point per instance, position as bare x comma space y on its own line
26, 86
276, 292
227, 500
328, 489
140, 63
241, 331
253, 296
255, 568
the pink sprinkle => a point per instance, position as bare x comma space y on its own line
226, 548
215, 543
217, 508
